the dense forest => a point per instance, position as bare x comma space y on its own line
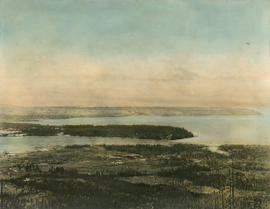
126, 131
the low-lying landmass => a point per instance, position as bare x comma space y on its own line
125, 131
15, 114
181, 176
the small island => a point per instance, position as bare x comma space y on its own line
125, 131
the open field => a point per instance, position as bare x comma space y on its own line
142, 176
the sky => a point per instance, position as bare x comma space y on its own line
135, 52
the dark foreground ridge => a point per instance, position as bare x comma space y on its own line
126, 131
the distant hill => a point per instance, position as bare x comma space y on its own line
14, 113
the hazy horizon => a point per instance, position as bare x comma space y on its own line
142, 106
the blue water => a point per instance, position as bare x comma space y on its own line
211, 130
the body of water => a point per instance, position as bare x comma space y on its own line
210, 130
